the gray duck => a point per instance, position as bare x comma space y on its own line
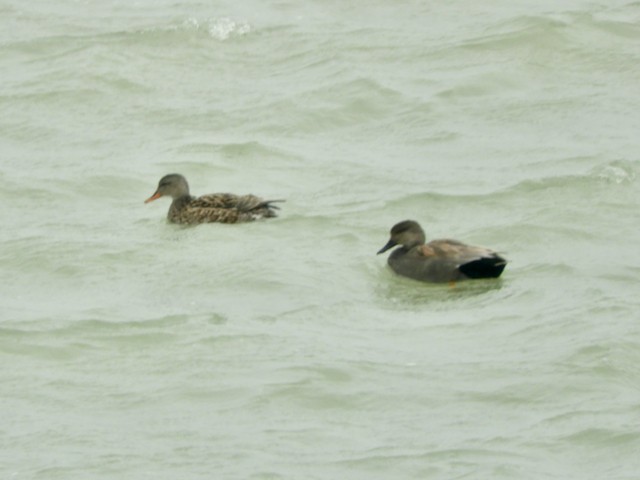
442, 260
216, 207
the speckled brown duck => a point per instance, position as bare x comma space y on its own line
442, 260
216, 207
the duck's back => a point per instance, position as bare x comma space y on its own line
243, 203
219, 208
446, 260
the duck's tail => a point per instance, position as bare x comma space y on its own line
266, 209
268, 204
485, 267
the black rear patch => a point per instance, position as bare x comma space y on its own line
486, 267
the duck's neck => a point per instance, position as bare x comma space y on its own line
180, 202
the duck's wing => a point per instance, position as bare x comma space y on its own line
222, 208
218, 200
473, 261
193, 214
450, 249
243, 203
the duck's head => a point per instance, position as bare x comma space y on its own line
407, 233
173, 185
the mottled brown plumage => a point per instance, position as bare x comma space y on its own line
443, 260
217, 207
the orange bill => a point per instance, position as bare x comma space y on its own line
153, 197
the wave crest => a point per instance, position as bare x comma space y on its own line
221, 28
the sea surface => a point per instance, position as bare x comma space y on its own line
131, 348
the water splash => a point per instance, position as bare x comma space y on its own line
221, 28
616, 172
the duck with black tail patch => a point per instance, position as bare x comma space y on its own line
442, 260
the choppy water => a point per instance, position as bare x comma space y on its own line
130, 348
